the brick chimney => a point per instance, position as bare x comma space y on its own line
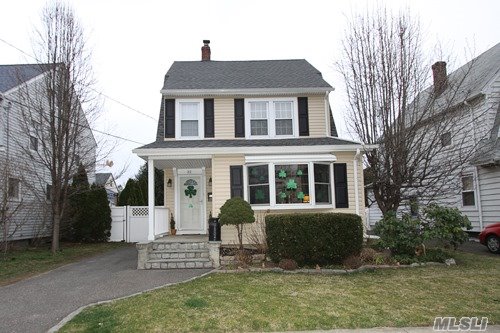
440, 77
205, 51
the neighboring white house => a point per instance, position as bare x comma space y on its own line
477, 129
107, 181
25, 185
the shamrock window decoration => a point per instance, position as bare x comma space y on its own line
282, 196
299, 173
300, 196
291, 185
282, 174
259, 195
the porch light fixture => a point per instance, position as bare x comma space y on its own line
169, 182
210, 181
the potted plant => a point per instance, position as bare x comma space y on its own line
173, 231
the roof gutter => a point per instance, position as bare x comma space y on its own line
246, 92
276, 150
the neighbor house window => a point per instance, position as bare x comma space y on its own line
258, 118
445, 139
48, 192
292, 183
322, 189
271, 118
468, 198
14, 190
33, 143
258, 184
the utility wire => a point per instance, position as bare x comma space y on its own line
81, 125
97, 91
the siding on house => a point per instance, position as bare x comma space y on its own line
224, 118
317, 116
489, 182
33, 218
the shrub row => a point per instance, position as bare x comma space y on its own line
317, 238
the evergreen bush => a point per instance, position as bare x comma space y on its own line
314, 238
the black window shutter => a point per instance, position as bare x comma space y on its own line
208, 104
236, 179
239, 118
170, 118
341, 193
303, 116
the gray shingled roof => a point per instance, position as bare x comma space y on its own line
102, 178
325, 141
466, 82
243, 75
13, 75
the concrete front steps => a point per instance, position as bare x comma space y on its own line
174, 252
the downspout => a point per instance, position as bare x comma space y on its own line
356, 189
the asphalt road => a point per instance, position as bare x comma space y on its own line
38, 303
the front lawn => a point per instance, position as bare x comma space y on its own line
22, 263
280, 302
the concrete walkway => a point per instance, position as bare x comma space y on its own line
40, 302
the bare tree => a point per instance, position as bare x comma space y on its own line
56, 111
385, 73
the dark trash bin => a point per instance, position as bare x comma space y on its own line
213, 229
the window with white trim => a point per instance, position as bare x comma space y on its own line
322, 183
259, 118
283, 113
271, 118
14, 189
280, 185
468, 194
189, 115
291, 183
258, 184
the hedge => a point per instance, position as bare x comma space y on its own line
313, 238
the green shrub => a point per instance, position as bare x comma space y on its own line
236, 211
446, 225
91, 218
312, 239
401, 236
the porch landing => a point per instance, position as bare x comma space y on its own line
174, 252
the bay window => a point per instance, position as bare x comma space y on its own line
291, 183
322, 187
281, 185
258, 184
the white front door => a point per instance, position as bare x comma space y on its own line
190, 196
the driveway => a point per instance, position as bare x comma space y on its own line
40, 302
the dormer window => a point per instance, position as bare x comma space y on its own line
271, 118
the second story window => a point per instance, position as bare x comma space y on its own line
14, 189
33, 143
258, 118
271, 118
190, 119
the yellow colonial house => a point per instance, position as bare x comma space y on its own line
262, 130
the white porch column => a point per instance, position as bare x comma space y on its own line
151, 200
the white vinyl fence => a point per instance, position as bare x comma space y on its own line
130, 223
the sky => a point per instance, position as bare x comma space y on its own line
133, 43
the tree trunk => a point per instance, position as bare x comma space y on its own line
239, 227
55, 233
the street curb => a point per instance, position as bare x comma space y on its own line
66, 319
